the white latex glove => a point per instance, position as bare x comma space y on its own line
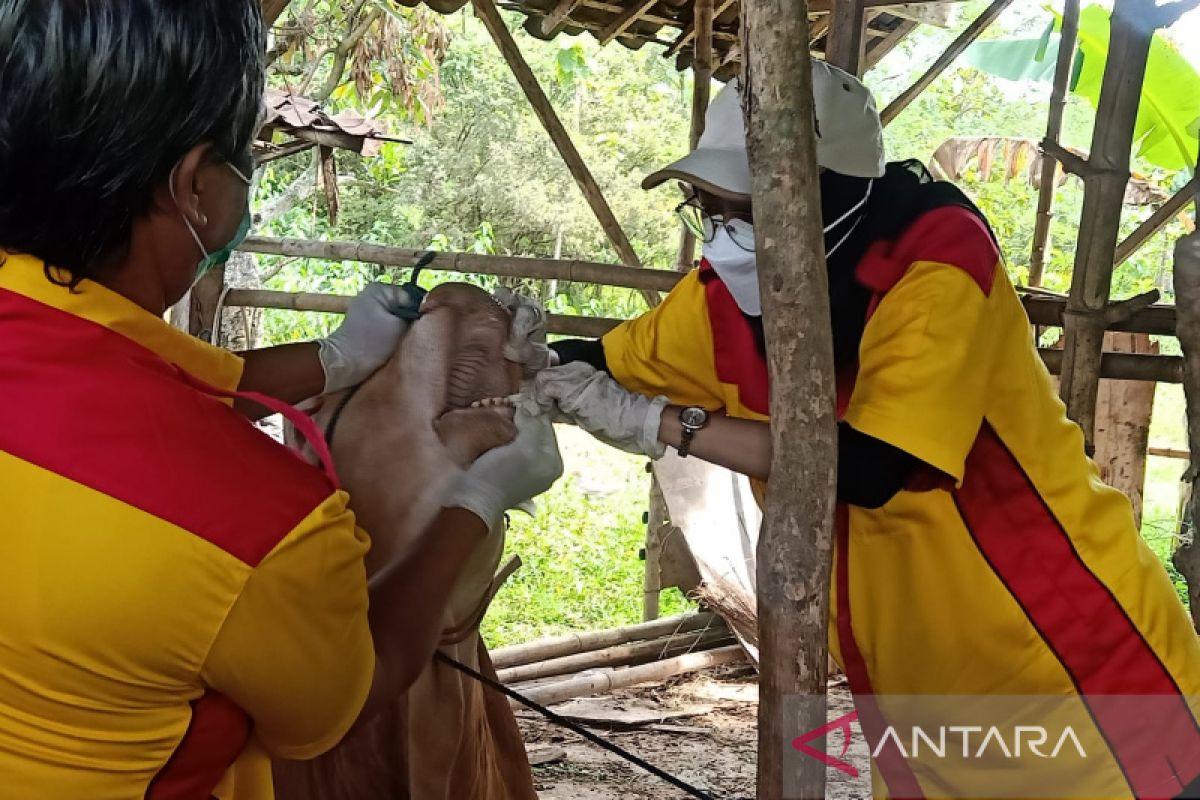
368, 336
512, 475
527, 335
602, 407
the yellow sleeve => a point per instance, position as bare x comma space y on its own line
925, 364
295, 651
669, 349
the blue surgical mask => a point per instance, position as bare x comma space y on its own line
217, 257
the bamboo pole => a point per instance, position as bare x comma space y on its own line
1104, 181
1155, 222
1158, 320
702, 60
1058, 103
600, 682
844, 42
955, 49
506, 266
794, 548
619, 656
1123, 366
572, 643
490, 16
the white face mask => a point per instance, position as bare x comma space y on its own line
736, 267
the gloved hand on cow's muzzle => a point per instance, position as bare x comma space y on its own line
526, 343
370, 334
601, 406
511, 475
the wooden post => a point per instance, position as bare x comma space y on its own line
795, 545
844, 46
1106, 173
490, 16
1058, 103
955, 49
202, 309
701, 89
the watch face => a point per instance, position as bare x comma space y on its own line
693, 417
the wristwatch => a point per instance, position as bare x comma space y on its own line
691, 419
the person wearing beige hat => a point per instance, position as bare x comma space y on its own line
977, 554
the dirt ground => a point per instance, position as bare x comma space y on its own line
706, 737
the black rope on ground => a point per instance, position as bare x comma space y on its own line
573, 727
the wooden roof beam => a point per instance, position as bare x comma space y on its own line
689, 32
881, 47
558, 15
624, 20
273, 10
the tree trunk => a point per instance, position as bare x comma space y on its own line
795, 546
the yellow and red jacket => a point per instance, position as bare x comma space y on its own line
1024, 575
180, 596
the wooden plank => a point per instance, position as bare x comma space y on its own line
956, 48
1103, 201
689, 32
844, 42
624, 20
796, 541
1058, 103
490, 16
558, 15
1155, 222
508, 266
880, 48
273, 10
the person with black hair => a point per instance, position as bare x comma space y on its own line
181, 598
976, 551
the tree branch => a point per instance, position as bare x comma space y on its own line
1166, 15
343, 51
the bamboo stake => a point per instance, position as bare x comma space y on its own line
955, 49
1058, 103
1155, 222
490, 16
598, 683
844, 42
619, 656
702, 60
559, 646
507, 266
795, 545
1104, 183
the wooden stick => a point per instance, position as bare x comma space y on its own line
599, 683
702, 67
880, 48
558, 15
624, 20
796, 542
1169, 452
559, 646
490, 16
620, 655
955, 49
1158, 320
1103, 200
1071, 162
689, 32
1058, 103
1155, 222
1124, 366
507, 266
844, 43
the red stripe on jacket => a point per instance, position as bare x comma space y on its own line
216, 734
1157, 744
95, 407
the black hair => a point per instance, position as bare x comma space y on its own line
100, 100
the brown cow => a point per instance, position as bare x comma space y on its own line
399, 442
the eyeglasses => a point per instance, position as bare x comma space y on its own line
705, 225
